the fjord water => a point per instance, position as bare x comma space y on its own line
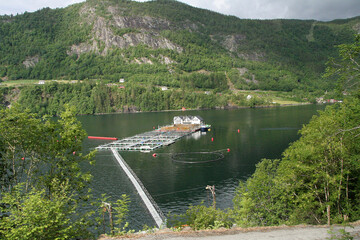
250, 134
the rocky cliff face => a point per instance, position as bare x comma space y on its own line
31, 61
146, 30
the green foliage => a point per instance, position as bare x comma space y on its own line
121, 208
346, 70
42, 185
201, 217
89, 98
258, 201
36, 215
341, 234
321, 169
116, 212
38, 151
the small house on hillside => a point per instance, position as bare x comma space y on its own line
188, 120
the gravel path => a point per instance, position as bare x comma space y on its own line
261, 233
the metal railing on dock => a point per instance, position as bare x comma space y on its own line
147, 141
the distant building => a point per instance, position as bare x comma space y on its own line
121, 80
320, 100
41, 82
164, 88
188, 120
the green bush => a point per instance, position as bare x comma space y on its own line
201, 217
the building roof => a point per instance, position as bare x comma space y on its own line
189, 117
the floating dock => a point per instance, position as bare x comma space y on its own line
149, 141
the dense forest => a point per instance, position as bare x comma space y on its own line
168, 43
90, 98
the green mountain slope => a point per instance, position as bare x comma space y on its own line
169, 43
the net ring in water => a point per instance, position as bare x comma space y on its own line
197, 157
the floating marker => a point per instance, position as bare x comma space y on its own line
74, 153
212, 139
228, 149
102, 138
238, 130
153, 127
22, 158
154, 155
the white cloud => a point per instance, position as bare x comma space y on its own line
274, 9
20, 6
223, 5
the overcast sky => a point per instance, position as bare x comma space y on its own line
255, 9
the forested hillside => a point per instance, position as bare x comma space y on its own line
168, 43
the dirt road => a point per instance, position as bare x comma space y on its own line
261, 233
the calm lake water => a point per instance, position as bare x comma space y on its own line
264, 133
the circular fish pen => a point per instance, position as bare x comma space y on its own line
197, 157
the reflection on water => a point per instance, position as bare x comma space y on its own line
264, 133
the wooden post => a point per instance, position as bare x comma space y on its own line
111, 220
328, 214
212, 190
103, 215
107, 207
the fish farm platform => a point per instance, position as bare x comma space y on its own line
149, 141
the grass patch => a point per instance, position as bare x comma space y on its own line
16, 83
24, 82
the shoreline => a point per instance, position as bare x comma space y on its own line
203, 109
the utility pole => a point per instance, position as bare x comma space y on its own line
212, 190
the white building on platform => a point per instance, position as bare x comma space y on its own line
188, 120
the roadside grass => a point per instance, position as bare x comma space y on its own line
286, 102
24, 82
16, 83
276, 97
